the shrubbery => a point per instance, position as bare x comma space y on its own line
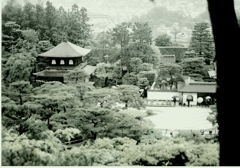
19, 150
149, 112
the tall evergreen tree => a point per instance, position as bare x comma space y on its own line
40, 21
78, 30
12, 12
29, 16
142, 33
50, 21
202, 41
193, 67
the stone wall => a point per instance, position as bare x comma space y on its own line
161, 95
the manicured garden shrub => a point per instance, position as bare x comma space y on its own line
149, 112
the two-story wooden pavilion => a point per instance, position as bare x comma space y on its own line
63, 58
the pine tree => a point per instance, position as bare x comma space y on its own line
202, 41
194, 67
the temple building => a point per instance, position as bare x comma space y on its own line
62, 59
187, 88
199, 89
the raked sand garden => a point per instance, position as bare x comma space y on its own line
180, 118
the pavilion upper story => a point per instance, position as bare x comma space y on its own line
62, 59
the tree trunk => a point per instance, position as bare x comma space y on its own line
106, 81
126, 104
20, 130
95, 136
226, 33
20, 97
48, 121
176, 85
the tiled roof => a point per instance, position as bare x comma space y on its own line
60, 73
199, 87
51, 73
212, 74
89, 69
66, 49
61, 67
167, 59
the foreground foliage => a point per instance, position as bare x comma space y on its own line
49, 151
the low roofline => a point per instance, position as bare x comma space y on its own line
199, 88
76, 56
202, 83
172, 47
168, 55
196, 91
39, 55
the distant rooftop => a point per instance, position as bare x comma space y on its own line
168, 56
167, 59
202, 83
199, 87
172, 47
178, 51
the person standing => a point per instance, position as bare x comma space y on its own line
174, 101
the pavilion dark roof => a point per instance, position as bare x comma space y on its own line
199, 87
66, 50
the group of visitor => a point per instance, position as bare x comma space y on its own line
200, 102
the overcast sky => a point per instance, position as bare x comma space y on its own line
125, 7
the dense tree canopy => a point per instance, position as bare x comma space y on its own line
194, 67
51, 23
163, 40
130, 96
202, 41
106, 97
112, 152
170, 73
130, 79
78, 123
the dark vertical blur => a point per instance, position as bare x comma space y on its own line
226, 33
